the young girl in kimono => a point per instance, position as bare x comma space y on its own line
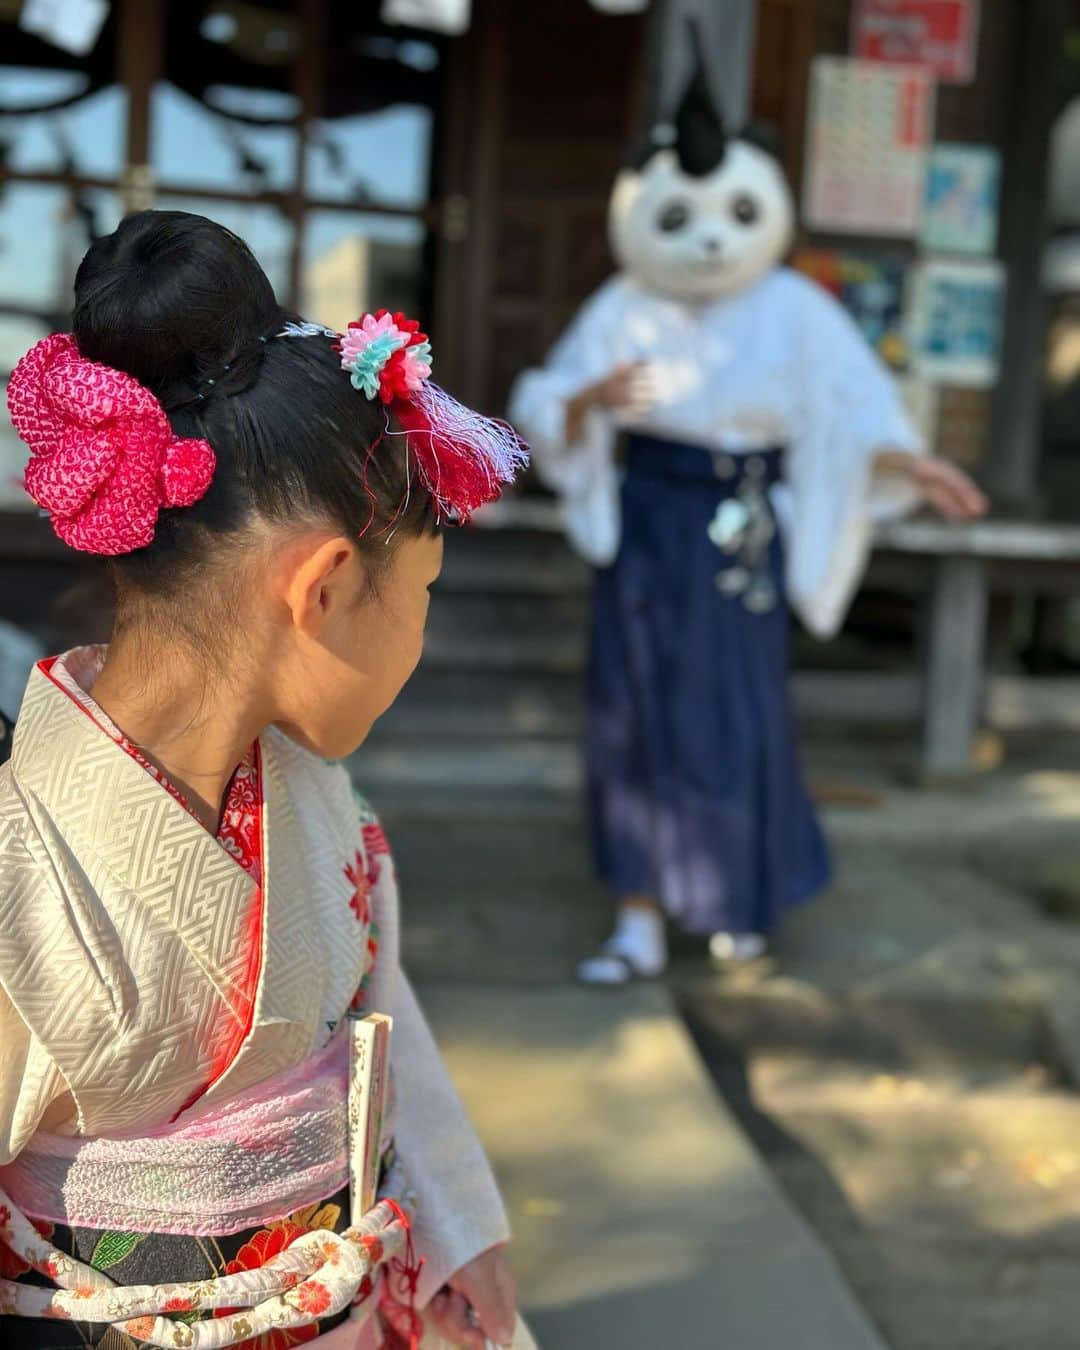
762, 438
190, 901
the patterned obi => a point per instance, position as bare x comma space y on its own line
202, 1233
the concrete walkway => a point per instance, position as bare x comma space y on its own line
643, 1217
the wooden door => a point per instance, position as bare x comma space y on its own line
538, 116
539, 111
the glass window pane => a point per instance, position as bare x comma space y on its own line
17, 334
269, 233
87, 136
380, 157
355, 262
36, 247
196, 145
44, 232
101, 210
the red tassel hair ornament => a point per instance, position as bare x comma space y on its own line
463, 458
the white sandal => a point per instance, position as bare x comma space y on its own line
737, 949
612, 967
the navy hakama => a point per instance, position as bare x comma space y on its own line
695, 784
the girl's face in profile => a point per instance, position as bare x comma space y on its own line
351, 639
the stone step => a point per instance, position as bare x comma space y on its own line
448, 704
506, 931
527, 766
492, 852
510, 687
510, 684
510, 561
800, 1034
481, 613
539, 855
449, 648
537, 513
643, 1217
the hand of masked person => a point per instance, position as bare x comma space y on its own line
948, 490
478, 1304
943, 486
630, 390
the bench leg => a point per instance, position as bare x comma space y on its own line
953, 668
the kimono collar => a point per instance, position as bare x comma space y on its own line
133, 859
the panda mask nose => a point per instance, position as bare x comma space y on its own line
713, 246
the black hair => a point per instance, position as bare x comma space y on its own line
180, 303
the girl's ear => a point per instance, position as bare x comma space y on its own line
319, 582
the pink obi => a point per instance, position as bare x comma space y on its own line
266, 1153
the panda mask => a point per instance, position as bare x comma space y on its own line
704, 216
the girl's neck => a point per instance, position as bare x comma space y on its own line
193, 723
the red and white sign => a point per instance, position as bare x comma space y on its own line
868, 133
939, 34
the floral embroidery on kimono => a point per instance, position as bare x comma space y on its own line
364, 874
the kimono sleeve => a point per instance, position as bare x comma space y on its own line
848, 410
30, 1083
459, 1212
582, 472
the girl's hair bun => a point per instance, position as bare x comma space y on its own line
172, 298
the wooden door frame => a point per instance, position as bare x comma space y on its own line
467, 188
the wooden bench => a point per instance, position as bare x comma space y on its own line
969, 562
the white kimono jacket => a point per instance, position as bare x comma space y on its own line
125, 958
780, 364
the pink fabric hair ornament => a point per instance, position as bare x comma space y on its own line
463, 458
103, 457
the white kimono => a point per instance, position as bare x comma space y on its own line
128, 990
780, 364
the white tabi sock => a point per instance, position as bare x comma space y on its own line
636, 949
639, 936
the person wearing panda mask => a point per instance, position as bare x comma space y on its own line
723, 440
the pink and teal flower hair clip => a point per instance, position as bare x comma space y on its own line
386, 354
463, 458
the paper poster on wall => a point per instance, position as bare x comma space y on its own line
960, 214
871, 289
869, 131
955, 323
940, 35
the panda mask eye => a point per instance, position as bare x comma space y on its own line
675, 216
746, 209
